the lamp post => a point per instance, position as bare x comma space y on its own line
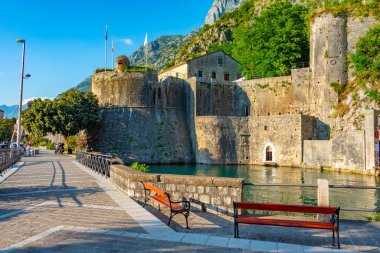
21, 89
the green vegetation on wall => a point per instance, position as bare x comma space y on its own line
366, 62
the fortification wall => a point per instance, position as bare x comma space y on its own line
213, 194
283, 133
222, 140
220, 98
147, 135
317, 153
125, 89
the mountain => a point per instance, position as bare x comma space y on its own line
85, 85
11, 111
161, 50
219, 7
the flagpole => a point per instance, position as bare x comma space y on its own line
105, 49
113, 60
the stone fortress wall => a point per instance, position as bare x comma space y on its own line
212, 121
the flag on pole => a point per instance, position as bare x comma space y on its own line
146, 50
146, 40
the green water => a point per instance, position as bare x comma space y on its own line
345, 198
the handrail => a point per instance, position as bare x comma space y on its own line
330, 186
8, 159
99, 163
312, 185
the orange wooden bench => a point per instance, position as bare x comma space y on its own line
333, 224
163, 199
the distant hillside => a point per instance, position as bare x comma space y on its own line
11, 111
85, 85
161, 50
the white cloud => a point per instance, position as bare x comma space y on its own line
30, 99
127, 41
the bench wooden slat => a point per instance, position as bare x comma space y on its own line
150, 187
286, 208
165, 202
287, 223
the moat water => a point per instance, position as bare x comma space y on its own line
345, 198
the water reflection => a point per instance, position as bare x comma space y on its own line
348, 198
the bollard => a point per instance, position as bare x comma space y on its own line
323, 198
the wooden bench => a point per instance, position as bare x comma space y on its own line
333, 224
163, 199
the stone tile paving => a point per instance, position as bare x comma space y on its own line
49, 191
355, 235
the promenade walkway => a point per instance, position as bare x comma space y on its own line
52, 204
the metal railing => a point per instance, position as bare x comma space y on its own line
330, 186
8, 159
97, 162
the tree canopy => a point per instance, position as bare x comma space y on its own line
274, 40
6, 129
69, 113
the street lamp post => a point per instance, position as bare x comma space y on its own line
21, 90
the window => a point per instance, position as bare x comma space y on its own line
268, 152
200, 73
238, 76
213, 75
220, 61
226, 77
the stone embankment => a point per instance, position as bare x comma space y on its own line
214, 194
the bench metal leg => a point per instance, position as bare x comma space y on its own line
337, 235
333, 237
184, 214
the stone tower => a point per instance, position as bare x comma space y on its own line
122, 63
328, 62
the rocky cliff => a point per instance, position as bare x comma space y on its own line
219, 7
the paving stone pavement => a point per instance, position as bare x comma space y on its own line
53, 204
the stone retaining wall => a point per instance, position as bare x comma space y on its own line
213, 194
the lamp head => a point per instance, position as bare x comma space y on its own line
20, 41
27, 76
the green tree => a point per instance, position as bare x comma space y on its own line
40, 119
75, 111
274, 40
69, 113
6, 129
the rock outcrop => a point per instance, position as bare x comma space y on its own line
219, 7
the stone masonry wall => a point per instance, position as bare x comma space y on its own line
146, 135
317, 153
216, 194
126, 89
222, 140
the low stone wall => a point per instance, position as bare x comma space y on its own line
212, 194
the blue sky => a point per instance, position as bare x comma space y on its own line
65, 39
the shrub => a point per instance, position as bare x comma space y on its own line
50, 146
71, 142
42, 143
140, 167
